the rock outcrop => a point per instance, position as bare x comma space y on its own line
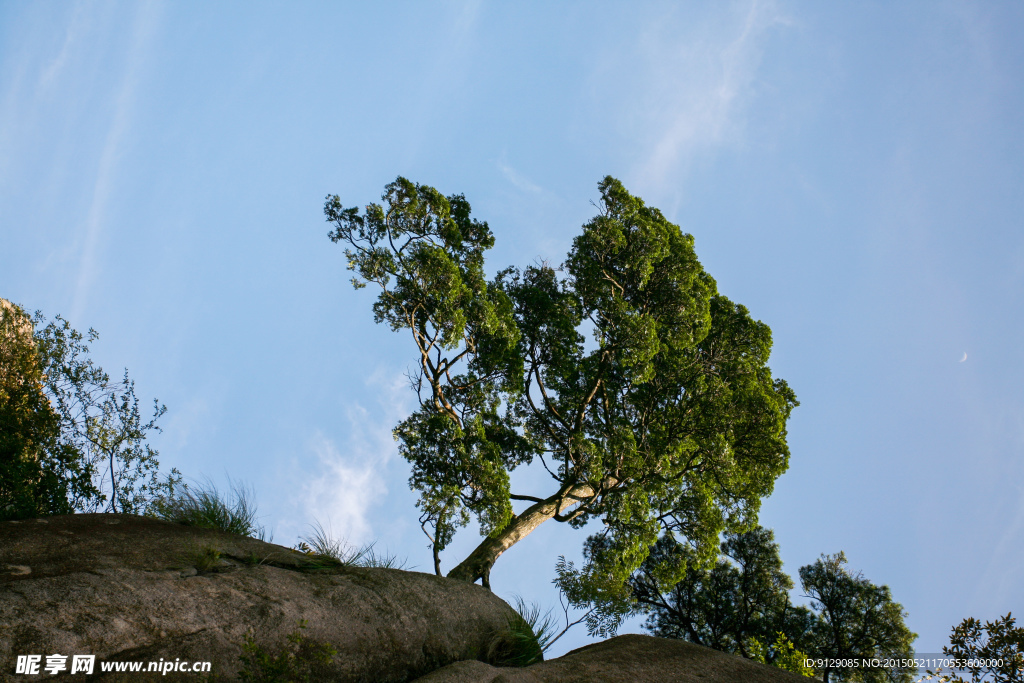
130, 588
133, 589
624, 659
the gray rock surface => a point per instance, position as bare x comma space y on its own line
129, 588
625, 659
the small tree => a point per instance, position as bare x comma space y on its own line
994, 651
82, 438
742, 605
667, 420
856, 620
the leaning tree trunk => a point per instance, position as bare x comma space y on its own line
478, 564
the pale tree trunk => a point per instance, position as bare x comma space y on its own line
478, 564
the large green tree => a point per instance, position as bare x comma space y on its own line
856, 620
666, 420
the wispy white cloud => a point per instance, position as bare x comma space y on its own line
686, 87
442, 74
518, 180
32, 68
72, 36
998, 445
352, 479
347, 488
1002, 574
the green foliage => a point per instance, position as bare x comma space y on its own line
299, 661
426, 254
740, 604
100, 420
995, 641
74, 440
669, 420
856, 620
740, 599
37, 476
204, 506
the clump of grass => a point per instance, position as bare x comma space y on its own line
529, 632
322, 545
204, 506
299, 660
368, 557
204, 559
543, 625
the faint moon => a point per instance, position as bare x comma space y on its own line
963, 359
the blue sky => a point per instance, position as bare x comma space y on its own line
851, 172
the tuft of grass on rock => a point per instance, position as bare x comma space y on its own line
204, 506
254, 559
322, 546
528, 633
204, 559
368, 557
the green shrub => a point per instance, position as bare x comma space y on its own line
71, 438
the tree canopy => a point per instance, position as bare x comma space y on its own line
641, 391
739, 605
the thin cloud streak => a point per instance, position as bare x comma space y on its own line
144, 27
443, 74
1002, 572
518, 180
72, 37
30, 80
690, 115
